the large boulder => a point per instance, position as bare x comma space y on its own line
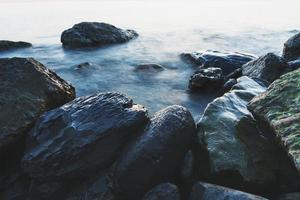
70, 143
293, 65
206, 191
28, 89
6, 45
291, 50
156, 155
206, 79
236, 147
94, 34
163, 191
278, 108
268, 67
228, 62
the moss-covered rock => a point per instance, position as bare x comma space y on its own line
279, 108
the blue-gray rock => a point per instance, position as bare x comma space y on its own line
149, 68
6, 45
95, 34
295, 64
236, 146
228, 62
206, 191
291, 50
155, 156
72, 142
208, 79
163, 191
268, 67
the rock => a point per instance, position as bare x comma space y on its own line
72, 142
228, 62
156, 155
268, 67
94, 34
278, 108
228, 85
163, 191
95, 189
291, 50
85, 66
28, 89
149, 68
239, 154
6, 45
187, 166
206, 191
206, 79
295, 64
289, 196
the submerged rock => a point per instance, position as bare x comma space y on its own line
10, 45
154, 156
71, 143
28, 89
163, 191
94, 34
206, 79
228, 62
268, 67
85, 66
291, 50
239, 154
278, 108
149, 68
206, 191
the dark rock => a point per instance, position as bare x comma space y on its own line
206, 79
163, 191
291, 50
95, 189
6, 45
239, 154
268, 67
295, 64
70, 143
228, 62
28, 89
206, 191
156, 155
228, 85
187, 166
149, 68
278, 108
288, 196
94, 34
85, 66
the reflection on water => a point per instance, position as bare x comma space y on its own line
165, 29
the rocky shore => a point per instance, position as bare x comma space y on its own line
246, 146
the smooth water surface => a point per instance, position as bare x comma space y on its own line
166, 28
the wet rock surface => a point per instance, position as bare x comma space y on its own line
164, 191
95, 34
70, 143
206, 191
235, 145
6, 45
28, 89
154, 156
295, 64
228, 62
291, 50
278, 108
206, 79
268, 67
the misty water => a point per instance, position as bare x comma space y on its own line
166, 29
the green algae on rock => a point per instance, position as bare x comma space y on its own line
279, 108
